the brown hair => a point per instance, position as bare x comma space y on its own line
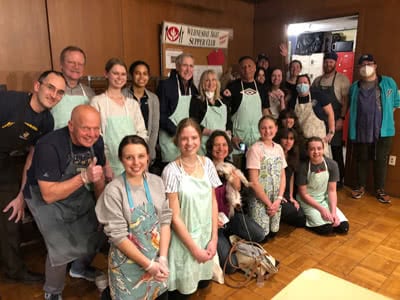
187, 122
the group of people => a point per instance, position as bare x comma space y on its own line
164, 231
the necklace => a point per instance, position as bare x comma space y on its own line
183, 163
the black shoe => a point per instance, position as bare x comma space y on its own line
27, 277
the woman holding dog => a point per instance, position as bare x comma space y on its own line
218, 149
190, 182
316, 180
207, 108
266, 164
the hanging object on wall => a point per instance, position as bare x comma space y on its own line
216, 58
309, 43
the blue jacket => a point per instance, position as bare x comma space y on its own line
390, 99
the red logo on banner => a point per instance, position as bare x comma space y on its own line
173, 33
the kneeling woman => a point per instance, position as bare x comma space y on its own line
316, 180
136, 218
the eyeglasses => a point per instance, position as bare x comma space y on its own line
53, 89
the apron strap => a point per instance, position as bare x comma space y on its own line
129, 193
179, 88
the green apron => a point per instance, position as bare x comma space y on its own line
68, 226
311, 124
195, 200
168, 149
214, 119
270, 179
245, 119
62, 111
317, 187
116, 128
128, 280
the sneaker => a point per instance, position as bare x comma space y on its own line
89, 274
382, 196
358, 193
48, 296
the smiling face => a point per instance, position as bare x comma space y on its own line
135, 159
220, 149
315, 151
140, 76
189, 141
276, 77
185, 69
247, 70
295, 69
117, 76
84, 126
268, 130
329, 65
48, 92
210, 83
73, 65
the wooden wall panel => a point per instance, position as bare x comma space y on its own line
93, 25
377, 27
142, 22
24, 44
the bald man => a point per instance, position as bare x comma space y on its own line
65, 179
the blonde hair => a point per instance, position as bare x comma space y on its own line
203, 78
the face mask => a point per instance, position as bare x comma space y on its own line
210, 95
302, 88
367, 71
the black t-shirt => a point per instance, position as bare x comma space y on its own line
318, 101
236, 99
333, 169
16, 113
53, 154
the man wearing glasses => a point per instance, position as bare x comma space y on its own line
24, 118
72, 63
373, 100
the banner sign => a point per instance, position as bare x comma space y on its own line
193, 36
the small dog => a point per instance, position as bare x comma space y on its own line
232, 195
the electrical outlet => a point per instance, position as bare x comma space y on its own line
392, 160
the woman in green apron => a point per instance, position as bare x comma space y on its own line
136, 218
266, 164
120, 116
190, 183
207, 108
316, 180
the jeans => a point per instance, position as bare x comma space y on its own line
55, 276
379, 153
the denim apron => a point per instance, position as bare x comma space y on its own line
128, 280
68, 226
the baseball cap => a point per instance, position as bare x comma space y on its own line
365, 57
331, 55
262, 56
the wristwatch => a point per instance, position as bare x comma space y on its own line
331, 132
